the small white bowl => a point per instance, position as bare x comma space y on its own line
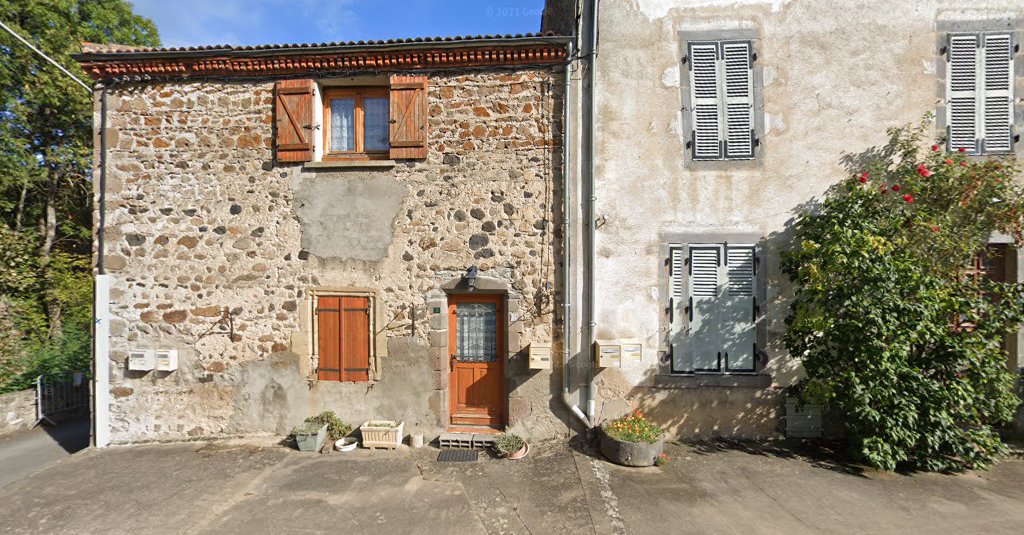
346, 444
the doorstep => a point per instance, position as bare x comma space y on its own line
466, 440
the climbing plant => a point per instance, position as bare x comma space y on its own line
895, 334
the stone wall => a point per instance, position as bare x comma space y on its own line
17, 411
214, 249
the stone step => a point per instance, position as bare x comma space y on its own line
465, 440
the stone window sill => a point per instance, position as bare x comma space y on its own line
711, 381
350, 164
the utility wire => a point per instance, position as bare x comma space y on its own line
47, 58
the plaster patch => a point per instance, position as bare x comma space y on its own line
768, 75
774, 122
670, 78
348, 217
656, 9
676, 126
928, 66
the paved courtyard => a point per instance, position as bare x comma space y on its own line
257, 486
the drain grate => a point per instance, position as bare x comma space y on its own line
459, 456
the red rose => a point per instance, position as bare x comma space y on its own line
895, 187
862, 179
947, 161
935, 148
963, 164
962, 149
935, 228
923, 171
908, 198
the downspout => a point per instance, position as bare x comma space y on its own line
588, 191
102, 201
101, 302
567, 332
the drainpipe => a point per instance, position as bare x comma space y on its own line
101, 303
590, 17
567, 207
102, 202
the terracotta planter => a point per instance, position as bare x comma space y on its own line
521, 453
630, 453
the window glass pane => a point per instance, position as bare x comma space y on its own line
377, 126
477, 332
343, 133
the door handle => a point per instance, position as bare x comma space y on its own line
451, 363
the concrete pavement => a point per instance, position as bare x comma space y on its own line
30, 451
257, 486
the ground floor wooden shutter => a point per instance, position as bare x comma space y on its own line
716, 330
343, 338
408, 101
293, 120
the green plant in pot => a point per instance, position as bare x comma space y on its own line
632, 440
336, 427
310, 436
511, 446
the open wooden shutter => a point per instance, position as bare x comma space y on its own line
962, 93
703, 336
408, 117
997, 97
293, 115
704, 99
678, 307
738, 309
739, 100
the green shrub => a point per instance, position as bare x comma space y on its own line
893, 336
633, 427
336, 428
506, 444
307, 428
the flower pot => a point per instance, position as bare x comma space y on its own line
521, 453
630, 453
310, 441
382, 434
346, 444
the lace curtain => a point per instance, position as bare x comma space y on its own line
376, 125
477, 332
343, 134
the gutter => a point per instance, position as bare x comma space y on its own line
567, 209
291, 50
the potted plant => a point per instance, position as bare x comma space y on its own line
336, 427
511, 446
632, 440
310, 436
382, 433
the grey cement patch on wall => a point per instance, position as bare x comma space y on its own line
346, 215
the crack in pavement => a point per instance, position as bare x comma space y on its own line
611, 503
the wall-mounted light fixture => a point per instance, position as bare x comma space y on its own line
470, 277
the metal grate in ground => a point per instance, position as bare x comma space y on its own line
459, 456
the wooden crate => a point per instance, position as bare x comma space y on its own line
382, 434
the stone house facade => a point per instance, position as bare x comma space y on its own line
368, 228
715, 123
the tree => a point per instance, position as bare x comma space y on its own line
893, 334
46, 159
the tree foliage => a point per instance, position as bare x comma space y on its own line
45, 190
893, 334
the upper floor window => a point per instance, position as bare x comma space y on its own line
979, 92
356, 122
721, 100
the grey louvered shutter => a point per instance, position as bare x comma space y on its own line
678, 303
997, 96
738, 309
962, 93
703, 340
739, 100
705, 101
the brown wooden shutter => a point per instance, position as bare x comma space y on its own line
343, 338
293, 114
408, 117
329, 338
355, 318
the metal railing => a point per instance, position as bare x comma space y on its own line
58, 393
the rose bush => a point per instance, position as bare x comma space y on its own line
892, 334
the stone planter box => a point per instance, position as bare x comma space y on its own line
382, 434
312, 442
630, 453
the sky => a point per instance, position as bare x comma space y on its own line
252, 22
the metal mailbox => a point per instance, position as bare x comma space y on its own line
142, 360
608, 353
540, 356
166, 360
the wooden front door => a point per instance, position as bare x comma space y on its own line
476, 345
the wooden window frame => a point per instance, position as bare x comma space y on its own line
372, 374
357, 94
